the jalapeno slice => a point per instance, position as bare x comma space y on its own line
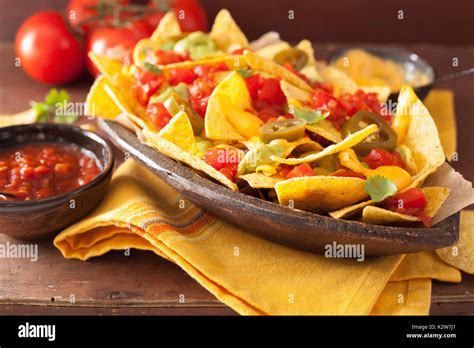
385, 138
289, 129
296, 57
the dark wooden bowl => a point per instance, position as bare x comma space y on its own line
44, 217
291, 227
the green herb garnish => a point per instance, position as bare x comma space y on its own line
152, 68
380, 188
311, 116
54, 108
245, 72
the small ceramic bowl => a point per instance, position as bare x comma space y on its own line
411, 63
44, 217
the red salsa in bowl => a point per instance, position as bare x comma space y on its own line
43, 170
51, 175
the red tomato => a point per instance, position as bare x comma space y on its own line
146, 84
271, 92
199, 93
325, 101
80, 12
299, 171
190, 13
361, 101
225, 161
268, 114
202, 70
325, 86
158, 115
285, 169
379, 157
254, 84
154, 19
349, 174
411, 202
47, 49
181, 75
116, 42
160, 57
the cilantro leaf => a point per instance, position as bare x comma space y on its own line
152, 68
54, 97
245, 72
380, 188
311, 116
46, 110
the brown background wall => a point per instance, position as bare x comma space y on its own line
429, 21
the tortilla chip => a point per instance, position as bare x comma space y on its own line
325, 129
270, 51
259, 63
383, 92
99, 103
407, 157
168, 28
436, 196
350, 210
440, 103
422, 135
307, 47
114, 71
140, 49
175, 152
341, 82
461, 255
106, 66
179, 131
232, 62
225, 32
259, 180
292, 92
320, 193
226, 118
24, 117
347, 143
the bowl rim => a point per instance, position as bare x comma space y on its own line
167, 164
91, 136
394, 49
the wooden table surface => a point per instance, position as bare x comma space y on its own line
143, 283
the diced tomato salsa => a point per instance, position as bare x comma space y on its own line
44, 170
267, 97
158, 115
201, 83
147, 83
379, 157
225, 161
411, 202
296, 171
344, 107
199, 93
161, 57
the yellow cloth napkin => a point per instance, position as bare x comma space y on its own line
249, 274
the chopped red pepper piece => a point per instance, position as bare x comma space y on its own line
225, 161
379, 157
158, 115
411, 202
300, 170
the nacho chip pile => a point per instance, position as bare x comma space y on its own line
271, 118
